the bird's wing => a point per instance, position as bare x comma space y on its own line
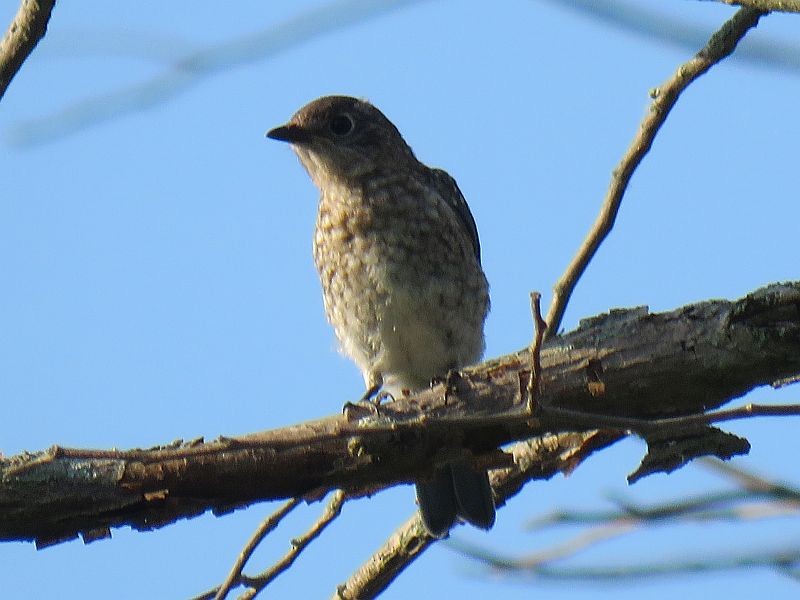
448, 190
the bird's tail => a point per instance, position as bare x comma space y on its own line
455, 490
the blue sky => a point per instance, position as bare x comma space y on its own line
158, 280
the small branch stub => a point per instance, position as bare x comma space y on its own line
540, 327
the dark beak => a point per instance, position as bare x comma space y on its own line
294, 134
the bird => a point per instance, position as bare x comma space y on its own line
398, 256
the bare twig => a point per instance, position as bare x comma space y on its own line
260, 533
258, 582
540, 327
645, 426
560, 551
27, 28
752, 482
721, 45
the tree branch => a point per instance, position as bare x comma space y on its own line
27, 28
234, 575
257, 583
626, 364
721, 45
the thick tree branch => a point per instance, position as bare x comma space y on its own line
27, 28
627, 363
721, 45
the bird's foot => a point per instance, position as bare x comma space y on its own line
368, 404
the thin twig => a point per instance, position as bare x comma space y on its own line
752, 482
258, 582
721, 45
644, 426
27, 28
540, 327
566, 549
267, 525
579, 542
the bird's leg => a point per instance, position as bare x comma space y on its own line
450, 381
372, 394
375, 396
372, 399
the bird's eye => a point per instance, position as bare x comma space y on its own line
342, 124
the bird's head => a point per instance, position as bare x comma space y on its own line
339, 138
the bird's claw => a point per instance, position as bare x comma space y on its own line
368, 404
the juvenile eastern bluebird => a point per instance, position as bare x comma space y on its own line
398, 255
